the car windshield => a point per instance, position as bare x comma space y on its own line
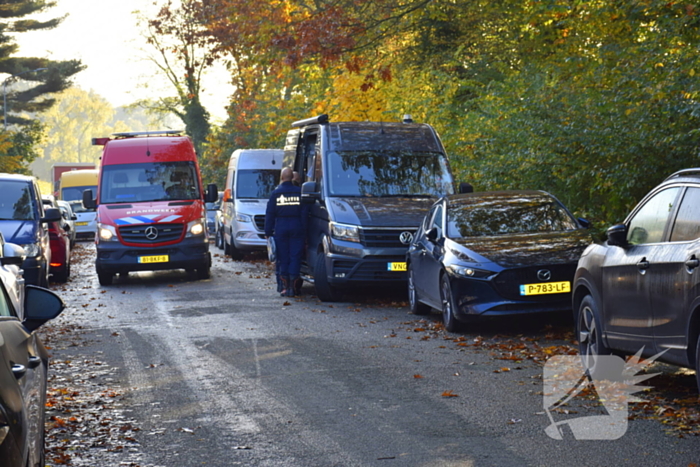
256, 184
153, 181
75, 193
492, 216
16, 201
388, 173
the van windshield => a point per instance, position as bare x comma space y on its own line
73, 193
256, 184
388, 173
152, 181
16, 201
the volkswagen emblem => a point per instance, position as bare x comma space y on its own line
544, 274
406, 238
151, 233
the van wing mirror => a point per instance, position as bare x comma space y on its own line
310, 192
617, 235
40, 306
88, 201
12, 254
51, 215
465, 187
432, 234
212, 193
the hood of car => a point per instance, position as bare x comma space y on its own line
529, 249
380, 212
19, 232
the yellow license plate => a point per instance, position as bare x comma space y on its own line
395, 266
545, 288
81, 223
154, 259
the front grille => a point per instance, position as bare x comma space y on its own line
137, 233
508, 282
260, 222
383, 238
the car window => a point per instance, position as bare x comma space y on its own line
648, 224
16, 201
437, 220
5, 309
687, 225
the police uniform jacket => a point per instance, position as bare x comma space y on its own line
284, 209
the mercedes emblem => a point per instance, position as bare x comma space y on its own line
151, 233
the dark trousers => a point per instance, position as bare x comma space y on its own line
290, 247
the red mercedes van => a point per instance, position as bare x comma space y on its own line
150, 205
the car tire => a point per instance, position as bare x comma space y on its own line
219, 239
324, 290
204, 273
105, 278
448, 306
590, 334
234, 252
62, 275
414, 303
44, 278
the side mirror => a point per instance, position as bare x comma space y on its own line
12, 254
465, 187
51, 215
310, 192
74, 217
617, 235
585, 223
40, 306
212, 194
432, 234
88, 201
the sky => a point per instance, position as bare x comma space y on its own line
105, 36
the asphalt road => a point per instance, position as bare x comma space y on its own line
171, 371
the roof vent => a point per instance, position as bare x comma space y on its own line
407, 118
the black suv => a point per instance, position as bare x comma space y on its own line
641, 288
370, 185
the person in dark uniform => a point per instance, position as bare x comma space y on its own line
285, 220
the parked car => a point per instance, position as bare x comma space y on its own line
59, 240
23, 365
494, 254
640, 289
23, 221
213, 210
72, 184
69, 219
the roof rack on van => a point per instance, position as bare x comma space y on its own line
310, 121
684, 173
132, 134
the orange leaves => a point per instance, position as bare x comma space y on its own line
449, 394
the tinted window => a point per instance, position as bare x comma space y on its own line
491, 216
388, 174
16, 202
73, 193
437, 221
687, 225
5, 309
256, 184
156, 181
648, 224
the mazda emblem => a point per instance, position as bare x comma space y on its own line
544, 274
151, 233
406, 238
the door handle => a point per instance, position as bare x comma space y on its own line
34, 362
643, 264
692, 263
19, 370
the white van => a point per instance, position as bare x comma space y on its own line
252, 176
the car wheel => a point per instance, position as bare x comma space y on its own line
417, 307
105, 278
448, 306
44, 279
324, 290
62, 275
203, 273
234, 252
590, 334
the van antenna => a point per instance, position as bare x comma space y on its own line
148, 147
273, 158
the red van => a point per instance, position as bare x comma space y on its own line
150, 205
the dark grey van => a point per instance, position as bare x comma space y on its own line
370, 185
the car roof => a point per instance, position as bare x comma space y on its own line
22, 178
685, 175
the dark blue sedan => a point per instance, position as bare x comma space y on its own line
494, 254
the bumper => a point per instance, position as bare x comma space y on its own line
479, 298
350, 263
189, 254
247, 237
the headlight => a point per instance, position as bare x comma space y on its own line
106, 233
32, 249
243, 218
195, 228
349, 233
471, 273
